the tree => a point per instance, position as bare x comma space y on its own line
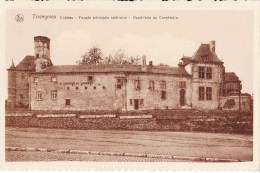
93, 56
162, 64
119, 57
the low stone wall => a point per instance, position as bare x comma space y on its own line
169, 120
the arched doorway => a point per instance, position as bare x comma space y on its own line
182, 97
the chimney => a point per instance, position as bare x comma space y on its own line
144, 60
212, 46
151, 63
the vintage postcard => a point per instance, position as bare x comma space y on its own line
129, 86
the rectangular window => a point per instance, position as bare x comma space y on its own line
54, 79
209, 93
22, 76
201, 72
151, 85
201, 93
39, 95
209, 73
67, 102
130, 102
90, 79
182, 84
21, 96
36, 79
119, 83
141, 102
137, 85
54, 95
163, 95
163, 84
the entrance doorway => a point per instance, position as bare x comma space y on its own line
136, 104
182, 97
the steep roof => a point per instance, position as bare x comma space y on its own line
108, 68
26, 64
12, 67
185, 60
231, 77
203, 52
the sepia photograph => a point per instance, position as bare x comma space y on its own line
129, 86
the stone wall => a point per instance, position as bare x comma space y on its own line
152, 97
22, 89
232, 102
100, 94
169, 120
103, 94
215, 83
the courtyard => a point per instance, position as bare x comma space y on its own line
183, 144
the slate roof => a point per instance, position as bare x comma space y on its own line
231, 77
185, 60
204, 50
114, 68
26, 64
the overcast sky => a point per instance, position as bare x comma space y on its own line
162, 41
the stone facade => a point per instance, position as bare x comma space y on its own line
199, 82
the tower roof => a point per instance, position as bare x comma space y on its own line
26, 64
205, 55
231, 77
12, 67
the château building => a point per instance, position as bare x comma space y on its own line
199, 82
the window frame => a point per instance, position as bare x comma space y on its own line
52, 79
39, 95
163, 84
119, 83
151, 85
141, 102
163, 95
131, 102
67, 102
201, 72
209, 73
208, 93
36, 79
22, 76
90, 79
201, 93
54, 95
182, 84
137, 85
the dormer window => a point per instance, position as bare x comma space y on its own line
205, 57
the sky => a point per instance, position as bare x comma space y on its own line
160, 40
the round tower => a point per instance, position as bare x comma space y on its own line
42, 53
42, 47
11, 101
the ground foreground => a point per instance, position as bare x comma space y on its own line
45, 156
210, 145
